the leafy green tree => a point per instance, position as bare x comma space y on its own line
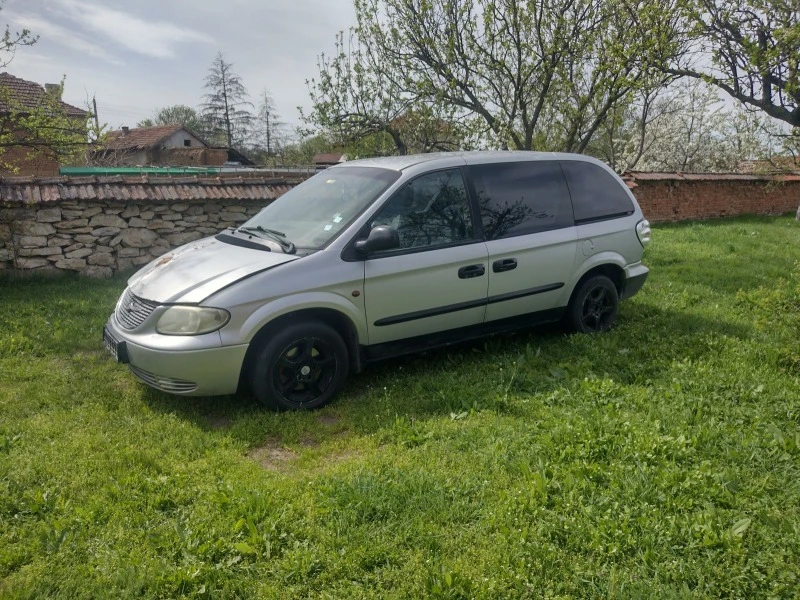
179, 114
301, 153
512, 73
754, 47
227, 111
354, 99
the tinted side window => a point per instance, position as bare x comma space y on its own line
520, 198
431, 210
595, 193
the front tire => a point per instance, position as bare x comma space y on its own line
301, 367
594, 306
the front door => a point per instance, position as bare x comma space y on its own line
437, 279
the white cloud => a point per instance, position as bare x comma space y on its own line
157, 39
64, 37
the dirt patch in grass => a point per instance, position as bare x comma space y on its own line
271, 455
308, 442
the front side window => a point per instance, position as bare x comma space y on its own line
521, 198
432, 210
312, 213
596, 194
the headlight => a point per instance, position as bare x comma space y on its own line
191, 320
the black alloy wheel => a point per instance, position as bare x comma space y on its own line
594, 306
301, 367
598, 308
305, 369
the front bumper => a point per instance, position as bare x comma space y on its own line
196, 372
635, 276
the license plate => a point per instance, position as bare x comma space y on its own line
112, 345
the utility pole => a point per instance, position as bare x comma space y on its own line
96, 118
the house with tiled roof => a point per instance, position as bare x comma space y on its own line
20, 94
23, 150
162, 145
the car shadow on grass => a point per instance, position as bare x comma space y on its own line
476, 375
646, 342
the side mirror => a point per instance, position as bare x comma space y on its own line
380, 238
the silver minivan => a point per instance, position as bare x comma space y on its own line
381, 257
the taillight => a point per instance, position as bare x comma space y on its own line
643, 232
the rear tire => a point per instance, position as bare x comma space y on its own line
594, 306
300, 367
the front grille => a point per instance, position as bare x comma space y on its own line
165, 384
133, 310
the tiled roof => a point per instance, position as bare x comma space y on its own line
29, 94
141, 138
16, 190
326, 159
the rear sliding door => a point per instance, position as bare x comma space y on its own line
528, 223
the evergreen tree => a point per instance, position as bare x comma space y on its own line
226, 112
270, 130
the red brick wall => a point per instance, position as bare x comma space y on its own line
671, 200
28, 165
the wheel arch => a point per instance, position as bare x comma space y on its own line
611, 266
330, 316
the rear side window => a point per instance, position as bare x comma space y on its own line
596, 195
521, 198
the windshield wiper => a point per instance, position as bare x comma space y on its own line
287, 246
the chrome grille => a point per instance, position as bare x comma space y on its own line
165, 384
133, 311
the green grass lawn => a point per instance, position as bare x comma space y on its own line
659, 460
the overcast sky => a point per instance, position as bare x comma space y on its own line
138, 55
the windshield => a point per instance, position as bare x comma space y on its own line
312, 213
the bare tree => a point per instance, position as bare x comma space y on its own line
269, 130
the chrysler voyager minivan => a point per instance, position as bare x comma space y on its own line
380, 257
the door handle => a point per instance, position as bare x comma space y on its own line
471, 271
507, 264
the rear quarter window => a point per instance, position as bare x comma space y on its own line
596, 194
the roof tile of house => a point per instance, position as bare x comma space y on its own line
30, 94
141, 138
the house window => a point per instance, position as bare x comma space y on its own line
187, 143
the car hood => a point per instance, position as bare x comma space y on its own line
193, 272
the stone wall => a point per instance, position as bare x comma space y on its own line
82, 225
100, 225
